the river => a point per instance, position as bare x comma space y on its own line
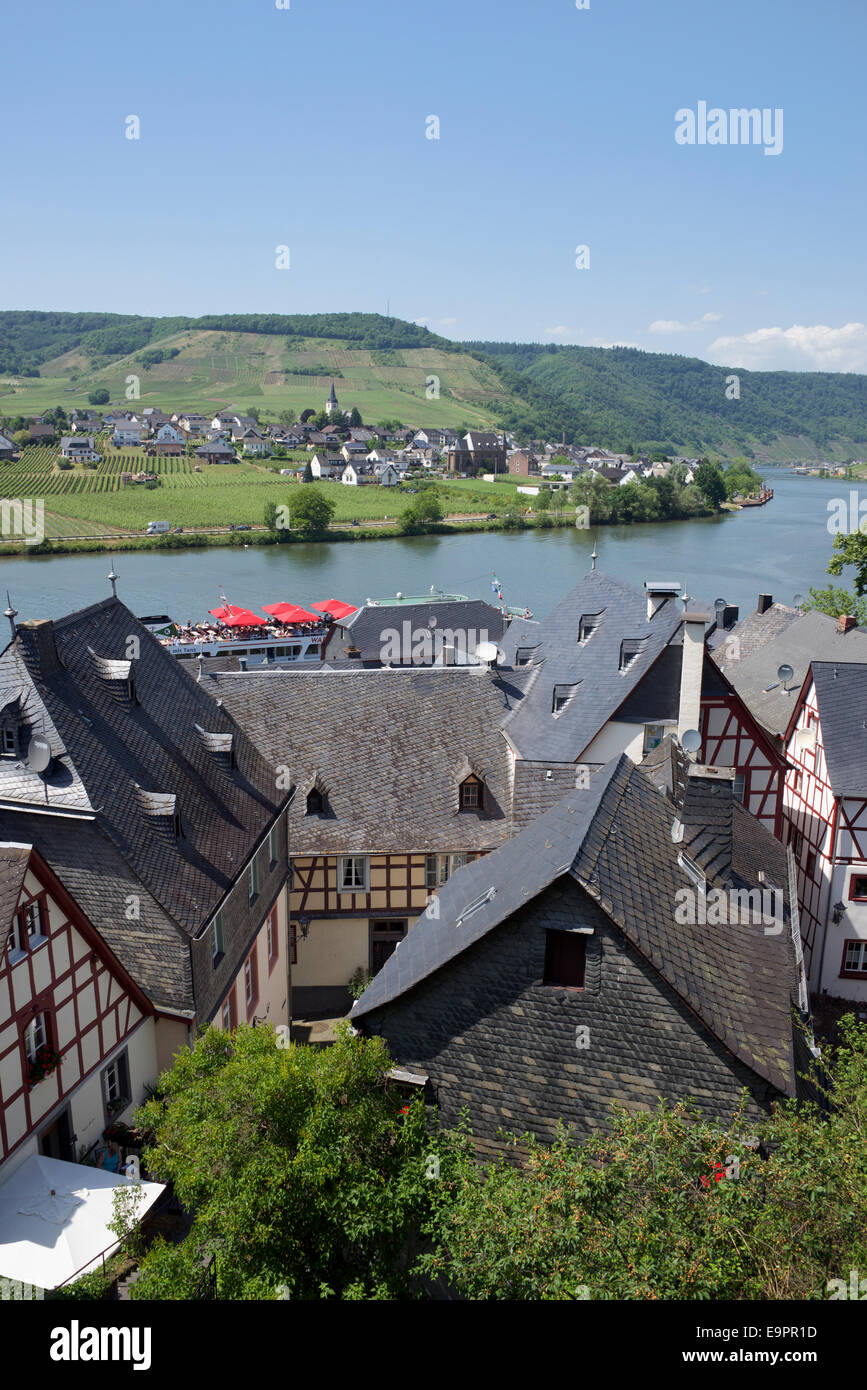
782, 549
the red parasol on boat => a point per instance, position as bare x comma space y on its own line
237, 617
335, 607
289, 613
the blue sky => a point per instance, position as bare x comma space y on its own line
262, 127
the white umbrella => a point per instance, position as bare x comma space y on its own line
54, 1219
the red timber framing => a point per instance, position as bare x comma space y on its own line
315, 889
72, 978
823, 831
732, 738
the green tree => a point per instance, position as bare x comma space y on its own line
711, 484
305, 1170
656, 1208
21, 438
271, 516
311, 512
307, 476
850, 548
542, 500
100, 397
837, 603
355, 419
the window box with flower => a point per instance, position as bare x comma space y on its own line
44, 1061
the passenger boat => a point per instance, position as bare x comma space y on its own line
277, 646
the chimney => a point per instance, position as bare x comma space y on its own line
764, 603
657, 592
691, 666
38, 634
704, 828
846, 622
730, 615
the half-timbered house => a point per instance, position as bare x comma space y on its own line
78, 1036
825, 808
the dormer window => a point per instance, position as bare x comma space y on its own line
523, 656
8, 743
561, 697
630, 648
315, 802
472, 794
587, 626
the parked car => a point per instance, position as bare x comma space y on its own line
490, 516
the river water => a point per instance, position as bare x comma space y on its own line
782, 549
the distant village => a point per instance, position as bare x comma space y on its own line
338, 449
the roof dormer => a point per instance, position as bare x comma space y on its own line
118, 677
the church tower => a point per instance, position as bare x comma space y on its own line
331, 403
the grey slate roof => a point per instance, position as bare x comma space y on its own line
152, 949
795, 640
615, 840
841, 695
559, 659
110, 747
389, 745
364, 628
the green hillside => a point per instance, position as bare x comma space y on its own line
618, 397
659, 401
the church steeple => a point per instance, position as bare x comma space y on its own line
331, 403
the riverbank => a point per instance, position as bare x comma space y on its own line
363, 531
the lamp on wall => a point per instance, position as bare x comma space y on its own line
837, 912
304, 923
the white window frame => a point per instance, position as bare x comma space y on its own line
861, 946
650, 730
35, 1036
739, 783
218, 938
10, 745
226, 1015
249, 983
348, 868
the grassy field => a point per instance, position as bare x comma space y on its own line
216, 369
86, 501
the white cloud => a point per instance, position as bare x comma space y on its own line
675, 325
802, 347
559, 332
444, 323
421, 322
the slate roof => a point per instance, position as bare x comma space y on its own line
389, 745
152, 949
559, 659
111, 750
614, 839
364, 628
795, 640
841, 695
14, 858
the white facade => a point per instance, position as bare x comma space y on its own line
62, 992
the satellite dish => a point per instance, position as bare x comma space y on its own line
487, 651
798, 600
691, 741
38, 753
720, 604
785, 673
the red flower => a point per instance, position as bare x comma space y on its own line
404, 1110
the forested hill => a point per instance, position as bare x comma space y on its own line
653, 399
617, 397
30, 337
